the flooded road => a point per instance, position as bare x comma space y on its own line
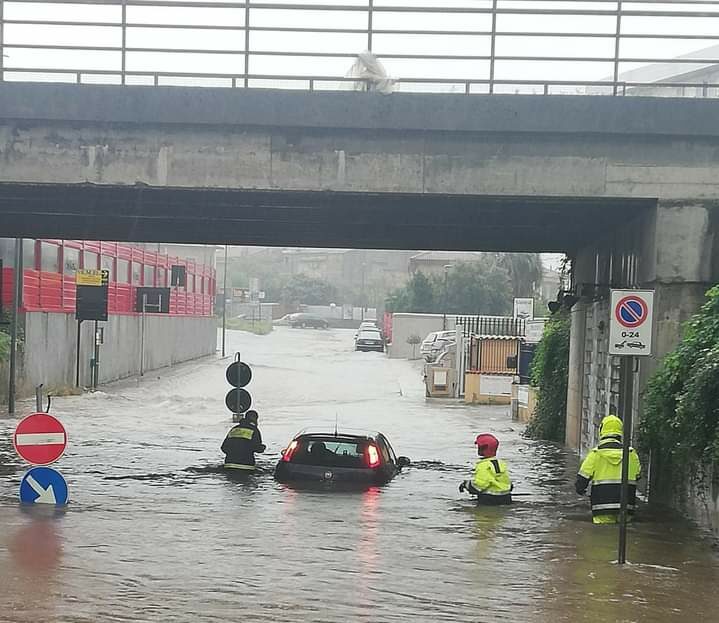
155, 533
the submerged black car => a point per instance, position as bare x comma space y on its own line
339, 457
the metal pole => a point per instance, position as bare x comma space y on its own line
627, 399
2, 39
95, 380
617, 41
370, 8
247, 42
16, 303
224, 303
123, 57
444, 304
77, 355
38, 398
493, 47
142, 336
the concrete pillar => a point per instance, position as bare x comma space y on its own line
575, 383
679, 262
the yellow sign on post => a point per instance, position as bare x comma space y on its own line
91, 277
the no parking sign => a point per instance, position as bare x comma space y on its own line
631, 322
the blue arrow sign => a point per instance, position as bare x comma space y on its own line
43, 485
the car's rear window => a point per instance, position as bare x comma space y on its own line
330, 452
370, 335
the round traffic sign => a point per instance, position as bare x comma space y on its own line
238, 400
631, 311
40, 439
43, 485
238, 374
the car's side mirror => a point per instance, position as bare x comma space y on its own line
403, 461
282, 452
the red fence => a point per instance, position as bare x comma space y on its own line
54, 290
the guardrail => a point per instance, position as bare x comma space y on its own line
601, 47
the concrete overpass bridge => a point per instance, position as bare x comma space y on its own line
627, 186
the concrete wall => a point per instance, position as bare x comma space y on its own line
50, 343
672, 250
406, 325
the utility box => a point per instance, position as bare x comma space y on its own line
440, 382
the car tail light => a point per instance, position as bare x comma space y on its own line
289, 451
372, 455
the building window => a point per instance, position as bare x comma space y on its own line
49, 254
89, 260
162, 277
71, 260
108, 264
28, 254
136, 273
123, 271
149, 276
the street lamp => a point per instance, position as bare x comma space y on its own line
444, 305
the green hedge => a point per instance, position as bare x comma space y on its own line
549, 373
681, 405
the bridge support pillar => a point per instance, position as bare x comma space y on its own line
672, 249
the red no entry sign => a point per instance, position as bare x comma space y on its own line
40, 439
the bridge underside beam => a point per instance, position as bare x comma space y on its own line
308, 218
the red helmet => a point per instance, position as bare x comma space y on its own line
487, 444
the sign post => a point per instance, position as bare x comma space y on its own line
90, 304
40, 439
238, 399
523, 308
630, 335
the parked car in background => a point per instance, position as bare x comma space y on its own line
304, 321
363, 457
369, 339
435, 342
367, 324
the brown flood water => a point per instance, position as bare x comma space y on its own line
155, 532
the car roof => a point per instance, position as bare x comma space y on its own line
344, 433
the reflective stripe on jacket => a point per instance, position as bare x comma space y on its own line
241, 444
603, 469
491, 482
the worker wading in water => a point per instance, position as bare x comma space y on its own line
491, 483
603, 469
242, 442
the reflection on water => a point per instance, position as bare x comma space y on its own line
157, 531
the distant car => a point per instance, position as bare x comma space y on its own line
350, 457
435, 343
307, 320
367, 324
369, 339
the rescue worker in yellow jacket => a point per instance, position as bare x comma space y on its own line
242, 442
603, 469
491, 483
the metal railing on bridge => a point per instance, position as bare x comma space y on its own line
596, 47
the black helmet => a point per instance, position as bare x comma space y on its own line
251, 415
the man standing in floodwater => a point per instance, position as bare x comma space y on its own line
242, 442
603, 469
491, 483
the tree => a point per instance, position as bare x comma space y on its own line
303, 290
471, 288
525, 272
419, 295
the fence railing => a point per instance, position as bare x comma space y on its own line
497, 326
601, 47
